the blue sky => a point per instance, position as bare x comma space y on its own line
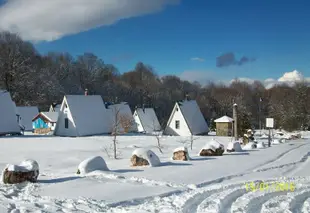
274, 33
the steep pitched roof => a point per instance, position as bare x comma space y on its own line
148, 119
224, 119
193, 116
27, 113
89, 114
124, 113
55, 108
8, 121
51, 116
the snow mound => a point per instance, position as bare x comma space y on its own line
182, 149
148, 155
24, 166
260, 145
275, 141
235, 145
305, 134
264, 136
249, 146
28, 165
92, 164
213, 145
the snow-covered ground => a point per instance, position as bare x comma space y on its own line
203, 184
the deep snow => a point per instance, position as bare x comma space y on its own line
204, 184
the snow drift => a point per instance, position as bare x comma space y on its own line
92, 164
234, 146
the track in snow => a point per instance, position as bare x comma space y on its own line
207, 197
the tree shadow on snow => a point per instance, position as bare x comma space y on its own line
202, 158
237, 153
59, 180
174, 164
126, 170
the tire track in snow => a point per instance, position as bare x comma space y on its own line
221, 202
253, 202
306, 206
192, 204
277, 158
302, 160
298, 201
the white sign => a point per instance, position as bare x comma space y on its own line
269, 122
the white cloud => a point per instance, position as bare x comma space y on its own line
47, 20
248, 80
197, 59
204, 77
289, 78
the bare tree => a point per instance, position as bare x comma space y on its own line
121, 123
115, 128
188, 141
192, 139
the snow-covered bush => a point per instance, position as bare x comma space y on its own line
143, 157
181, 153
27, 170
249, 146
234, 146
275, 141
212, 148
260, 145
92, 164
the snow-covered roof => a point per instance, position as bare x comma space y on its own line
27, 113
55, 108
193, 116
8, 121
148, 119
89, 114
124, 115
224, 119
51, 116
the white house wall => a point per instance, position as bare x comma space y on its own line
183, 130
60, 129
138, 122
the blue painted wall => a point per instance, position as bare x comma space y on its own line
39, 123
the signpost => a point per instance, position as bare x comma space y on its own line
269, 125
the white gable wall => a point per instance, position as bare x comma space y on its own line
138, 122
147, 120
60, 129
183, 128
8, 121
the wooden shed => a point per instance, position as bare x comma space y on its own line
224, 126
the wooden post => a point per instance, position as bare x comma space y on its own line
269, 138
235, 113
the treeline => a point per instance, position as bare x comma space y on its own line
35, 79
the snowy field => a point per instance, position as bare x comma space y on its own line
204, 184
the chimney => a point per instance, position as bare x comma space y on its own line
186, 97
86, 92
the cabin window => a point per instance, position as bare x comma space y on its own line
177, 124
177, 109
66, 123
